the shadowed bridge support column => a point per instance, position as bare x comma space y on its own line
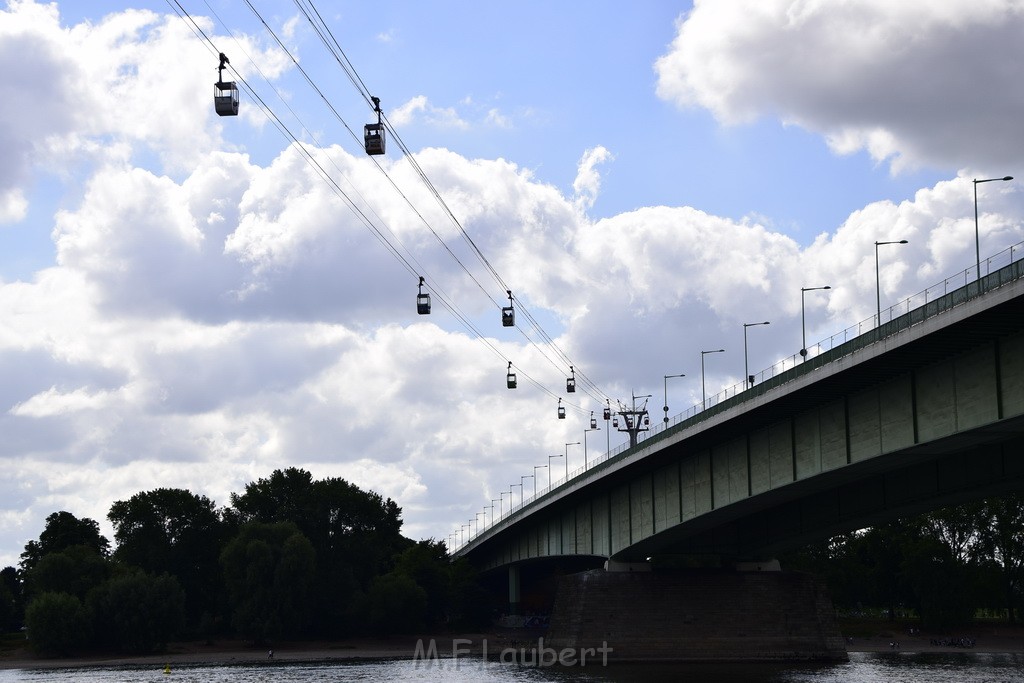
513, 589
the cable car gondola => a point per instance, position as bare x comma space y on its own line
570, 382
225, 94
593, 420
373, 133
608, 414
508, 313
561, 410
422, 300
510, 378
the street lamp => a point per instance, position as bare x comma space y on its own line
977, 240
492, 510
535, 468
746, 368
803, 319
520, 485
595, 429
703, 393
501, 504
528, 476
574, 443
667, 378
878, 286
550, 458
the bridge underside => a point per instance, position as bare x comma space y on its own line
935, 420
972, 466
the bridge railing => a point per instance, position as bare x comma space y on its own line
1001, 269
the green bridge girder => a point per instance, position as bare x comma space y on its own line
923, 411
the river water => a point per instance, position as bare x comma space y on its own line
863, 667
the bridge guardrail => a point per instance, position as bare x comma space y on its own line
899, 317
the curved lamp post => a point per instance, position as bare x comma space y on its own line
550, 458
803, 319
977, 239
572, 443
746, 368
703, 393
878, 285
667, 378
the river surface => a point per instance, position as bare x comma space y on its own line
863, 667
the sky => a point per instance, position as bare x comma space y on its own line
194, 301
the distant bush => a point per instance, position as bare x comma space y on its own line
58, 624
138, 613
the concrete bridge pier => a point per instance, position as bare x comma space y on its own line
697, 615
514, 589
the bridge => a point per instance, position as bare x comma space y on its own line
923, 410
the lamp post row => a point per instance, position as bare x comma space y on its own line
746, 368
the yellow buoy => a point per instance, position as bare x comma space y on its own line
167, 668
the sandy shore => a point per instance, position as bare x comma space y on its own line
233, 652
989, 639
1001, 639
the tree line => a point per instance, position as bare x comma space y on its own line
944, 567
290, 558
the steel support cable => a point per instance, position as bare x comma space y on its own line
355, 137
283, 128
341, 58
310, 159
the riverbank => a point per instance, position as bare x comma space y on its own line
236, 652
878, 637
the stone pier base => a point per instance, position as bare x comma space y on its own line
697, 616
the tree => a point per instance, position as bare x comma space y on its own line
138, 612
355, 533
64, 530
1001, 535
395, 604
931, 570
427, 564
269, 571
174, 531
74, 570
12, 587
57, 623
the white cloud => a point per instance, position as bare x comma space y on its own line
913, 82
588, 180
419, 107
202, 328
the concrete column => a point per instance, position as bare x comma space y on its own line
513, 589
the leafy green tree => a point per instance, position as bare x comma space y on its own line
11, 587
7, 609
138, 612
174, 531
1001, 535
931, 571
470, 606
58, 624
74, 570
428, 565
269, 571
355, 533
395, 604
64, 530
